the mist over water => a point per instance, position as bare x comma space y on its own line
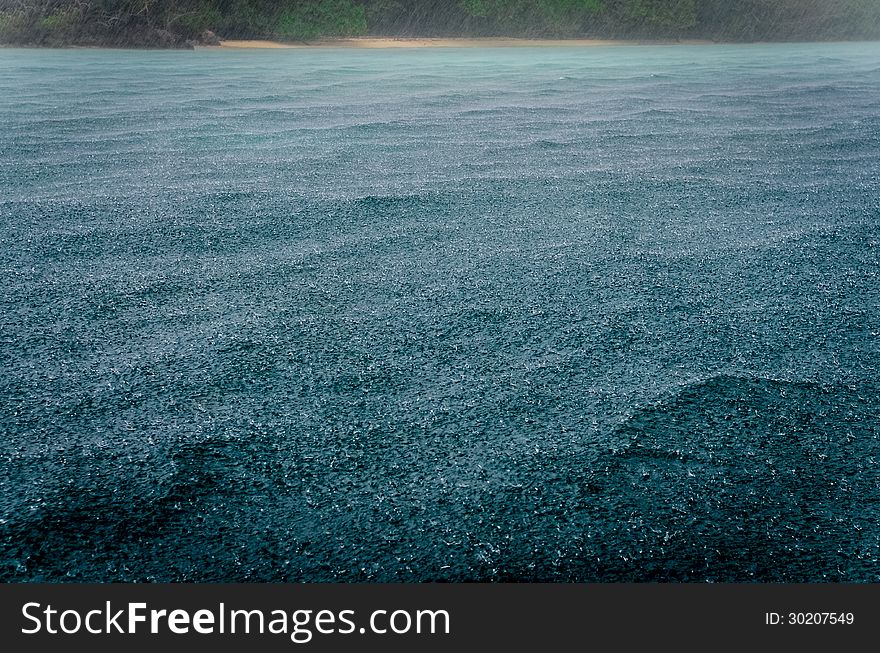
481, 314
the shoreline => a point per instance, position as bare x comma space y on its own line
379, 43
382, 42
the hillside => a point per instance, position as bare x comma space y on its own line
182, 23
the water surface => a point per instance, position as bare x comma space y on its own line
517, 314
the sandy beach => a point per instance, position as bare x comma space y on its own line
380, 43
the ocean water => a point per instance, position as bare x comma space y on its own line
562, 314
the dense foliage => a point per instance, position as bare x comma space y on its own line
173, 22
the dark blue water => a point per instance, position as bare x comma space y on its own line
519, 314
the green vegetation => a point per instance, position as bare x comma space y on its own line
557, 17
665, 15
174, 23
311, 20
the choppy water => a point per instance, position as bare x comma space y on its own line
538, 314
